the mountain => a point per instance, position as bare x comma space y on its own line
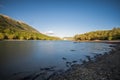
113, 34
13, 29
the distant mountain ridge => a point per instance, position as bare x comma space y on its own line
13, 29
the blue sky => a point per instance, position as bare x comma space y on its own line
64, 17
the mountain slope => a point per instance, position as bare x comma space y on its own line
12, 29
7, 22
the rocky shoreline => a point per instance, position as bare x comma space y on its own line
103, 67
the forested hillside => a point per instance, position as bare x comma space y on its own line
113, 34
12, 29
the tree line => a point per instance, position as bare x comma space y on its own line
113, 34
23, 35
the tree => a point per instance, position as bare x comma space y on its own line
110, 38
11, 36
1, 36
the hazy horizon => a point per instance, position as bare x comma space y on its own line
64, 18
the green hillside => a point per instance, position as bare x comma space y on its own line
12, 29
113, 34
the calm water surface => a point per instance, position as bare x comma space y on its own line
31, 56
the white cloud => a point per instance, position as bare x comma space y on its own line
49, 32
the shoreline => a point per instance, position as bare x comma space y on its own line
104, 67
97, 41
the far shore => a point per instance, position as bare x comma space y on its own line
27, 40
98, 41
104, 41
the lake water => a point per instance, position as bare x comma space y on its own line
27, 57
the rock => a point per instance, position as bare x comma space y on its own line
72, 50
64, 58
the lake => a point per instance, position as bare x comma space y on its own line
22, 58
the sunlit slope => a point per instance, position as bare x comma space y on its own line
13, 29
